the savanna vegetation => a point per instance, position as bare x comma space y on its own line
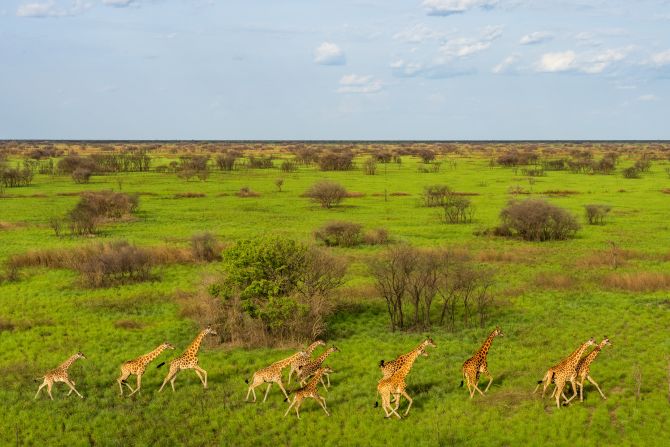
113, 248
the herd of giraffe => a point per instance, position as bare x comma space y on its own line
310, 372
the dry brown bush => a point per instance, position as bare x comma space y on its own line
537, 220
245, 192
189, 195
339, 234
376, 236
554, 280
104, 263
400, 194
615, 257
327, 193
354, 195
560, 192
128, 324
637, 281
205, 247
516, 255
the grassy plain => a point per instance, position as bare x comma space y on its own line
46, 316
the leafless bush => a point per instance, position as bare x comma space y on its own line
279, 182
370, 166
246, 192
435, 195
260, 162
336, 161
595, 214
458, 210
339, 234
411, 280
205, 247
631, 172
288, 166
81, 175
377, 236
56, 224
226, 162
95, 206
327, 193
537, 220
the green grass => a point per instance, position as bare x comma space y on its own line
53, 317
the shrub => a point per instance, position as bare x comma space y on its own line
226, 162
377, 236
643, 164
458, 210
288, 166
426, 155
245, 192
327, 193
339, 234
70, 163
435, 195
336, 161
81, 175
537, 220
279, 183
260, 162
189, 195
631, 172
595, 214
370, 166
205, 247
15, 177
94, 206
276, 289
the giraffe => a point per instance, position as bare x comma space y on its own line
271, 374
395, 383
188, 360
584, 365
310, 390
60, 374
389, 368
477, 365
138, 366
310, 368
301, 361
565, 366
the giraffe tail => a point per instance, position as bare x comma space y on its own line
160, 364
381, 363
376, 404
246, 381
461, 385
540, 381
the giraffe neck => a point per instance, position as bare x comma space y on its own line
67, 363
574, 358
288, 360
195, 345
487, 344
324, 356
408, 361
147, 358
314, 381
312, 347
593, 354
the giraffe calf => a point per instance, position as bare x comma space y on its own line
60, 374
271, 374
138, 366
310, 390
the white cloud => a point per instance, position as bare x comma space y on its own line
506, 65
329, 54
406, 69
50, 8
353, 83
647, 98
535, 38
557, 62
417, 33
449, 7
463, 47
584, 63
118, 3
660, 59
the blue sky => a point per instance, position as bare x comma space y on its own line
340, 69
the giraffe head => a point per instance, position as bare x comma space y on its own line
606, 341
318, 343
324, 370
210, 330
422, 347
80, 355
498, 332
334, 349
167, 345
591, 341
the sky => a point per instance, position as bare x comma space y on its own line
335, 69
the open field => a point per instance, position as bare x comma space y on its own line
549, 297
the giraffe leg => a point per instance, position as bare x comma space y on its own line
404, 393
490, 382
72, 388
297, 408
49, 385
596, 385
122, 379
558, 391
290, 373
324, 384
581, 391
574, 392
322, 402
282, 388
169, 378
204, 373
139, 384
289, 407
477, 388
40, 388
267, 391
328, 378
